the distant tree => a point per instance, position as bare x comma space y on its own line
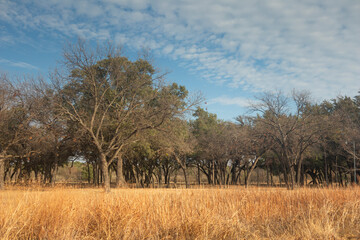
206, 129
180, 144
15, 122
216, 147
292, 125
346, 121
254, 144
51, 134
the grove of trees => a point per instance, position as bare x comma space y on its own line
118, 115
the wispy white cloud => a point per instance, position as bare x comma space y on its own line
237, 101
18, 64
254, 45
6, 38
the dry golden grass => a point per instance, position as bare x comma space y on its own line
235, 213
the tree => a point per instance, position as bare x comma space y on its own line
293, 130
52, 134
180, 144
346, 121
113, 99
255, 143
15, 120
205, 129
215, 148
6, 112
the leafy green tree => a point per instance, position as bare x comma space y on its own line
113, 99
207, 130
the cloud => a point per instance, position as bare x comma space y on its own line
238, 101
253, 45
6, 39
18, 64
168, 49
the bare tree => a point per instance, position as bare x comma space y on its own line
15, 119
291, 125
255, 143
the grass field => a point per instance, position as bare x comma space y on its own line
234, 213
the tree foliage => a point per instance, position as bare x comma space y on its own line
118, 115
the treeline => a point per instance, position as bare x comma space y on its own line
118, 115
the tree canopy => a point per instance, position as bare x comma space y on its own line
119, 115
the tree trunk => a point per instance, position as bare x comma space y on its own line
105, 172
159, 176
198, 175
208, 176
286, 179
267, 176
183, 167
36, 175
168, 180
53, 174
166, 171
238, 178
88, 172
337, 171
286, 174
280, 180
2, 173
298, 173
120, 180
101, 175
326, 168
7, 173
292, 176
302, 177
46, 174
213, 172
137, 184
247, 177
95, 177
185, 177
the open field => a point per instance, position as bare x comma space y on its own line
234, 213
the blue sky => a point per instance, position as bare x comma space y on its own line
230, 50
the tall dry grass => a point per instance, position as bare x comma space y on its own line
180, 214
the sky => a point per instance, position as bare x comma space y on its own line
229, 50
